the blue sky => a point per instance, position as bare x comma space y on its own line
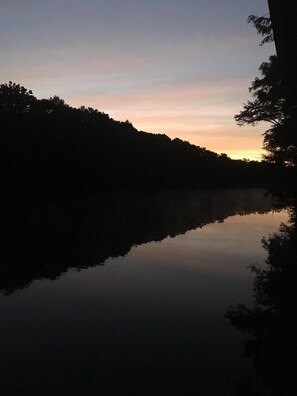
180, 67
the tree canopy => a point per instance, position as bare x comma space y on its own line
48, 146
15, 99
270, 104
264, 27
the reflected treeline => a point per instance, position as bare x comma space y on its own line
272, 322
44, 238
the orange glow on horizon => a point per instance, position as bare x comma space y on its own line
199, 117
252, 155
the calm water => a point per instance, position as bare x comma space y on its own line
124, 295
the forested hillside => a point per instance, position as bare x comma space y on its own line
48, 146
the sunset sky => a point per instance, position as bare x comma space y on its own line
179, 67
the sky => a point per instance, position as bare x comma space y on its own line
179, 67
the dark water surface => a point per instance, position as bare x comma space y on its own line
126, 294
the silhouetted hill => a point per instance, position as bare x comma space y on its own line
47, 146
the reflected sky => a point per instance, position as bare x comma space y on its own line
149, 323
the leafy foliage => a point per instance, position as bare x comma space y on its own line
15, 99
270, 105
263, 26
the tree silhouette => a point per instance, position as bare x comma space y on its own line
264, 27
271, 105
47, 146
15, 99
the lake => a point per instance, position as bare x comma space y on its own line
126, 294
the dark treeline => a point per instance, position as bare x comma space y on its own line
44, 238
47, 146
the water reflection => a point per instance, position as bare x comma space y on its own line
150, 322
272, 321
44, 238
